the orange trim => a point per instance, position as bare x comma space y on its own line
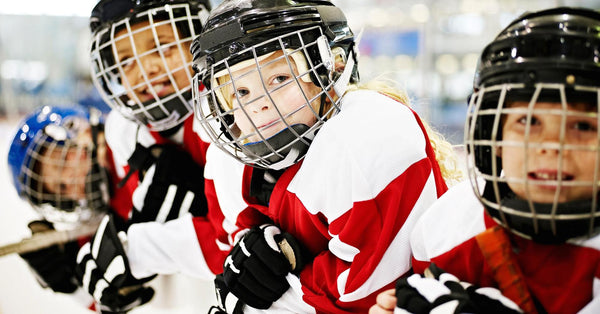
496, 248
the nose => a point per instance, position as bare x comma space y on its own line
152, 66
73, 181
257, 105
550, 140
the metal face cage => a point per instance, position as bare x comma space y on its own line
228, 111
142, 66
61, 176
534, 158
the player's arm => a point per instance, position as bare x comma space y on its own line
369, 248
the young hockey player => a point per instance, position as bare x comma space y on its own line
341, 170
533, 156
61, 166
142, 68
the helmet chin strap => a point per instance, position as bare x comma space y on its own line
341, 85
177, 105
282, 149
542, 229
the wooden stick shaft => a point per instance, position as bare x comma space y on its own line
46, 239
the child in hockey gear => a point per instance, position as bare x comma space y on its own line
533, 156
140, 57
58, 162
282, 97
62, 166
142, 67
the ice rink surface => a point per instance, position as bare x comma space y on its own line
21, 294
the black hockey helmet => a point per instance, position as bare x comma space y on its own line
546, 56
312, 34
167, 103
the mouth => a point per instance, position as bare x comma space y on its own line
161, 89
268, 124
550, 176
549, 179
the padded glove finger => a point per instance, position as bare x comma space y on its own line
172, 186
103, 271
255, 271
442, 292
228, 302
54, 265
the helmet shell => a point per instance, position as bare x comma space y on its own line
55, 127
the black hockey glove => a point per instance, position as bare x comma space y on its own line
442, 292
255, 270
171, 186
55, 265
103, 271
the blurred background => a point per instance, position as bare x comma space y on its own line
430, 47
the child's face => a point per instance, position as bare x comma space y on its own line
541, 163
153, 65
260, 109
64, 168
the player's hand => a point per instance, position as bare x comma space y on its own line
103, 271
171, 186
255, 270
385, 303
228, 302
442, 292
55, 265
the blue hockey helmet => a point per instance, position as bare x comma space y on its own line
55, 167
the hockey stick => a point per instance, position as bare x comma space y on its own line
44, 239
497, 251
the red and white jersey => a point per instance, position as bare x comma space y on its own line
352, 201
564, 278
123, 134
151, 246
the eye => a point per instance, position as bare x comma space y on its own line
241, 93
523, 120
280, 79
584, 126
127, 62
166, 50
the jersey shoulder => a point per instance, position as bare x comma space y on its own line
453, 219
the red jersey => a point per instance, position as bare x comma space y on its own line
352, 201
564, 277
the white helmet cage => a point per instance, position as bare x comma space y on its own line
58, 147
159, 110
550, 222
548, 56
272, 152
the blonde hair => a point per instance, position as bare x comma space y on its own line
444, 154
